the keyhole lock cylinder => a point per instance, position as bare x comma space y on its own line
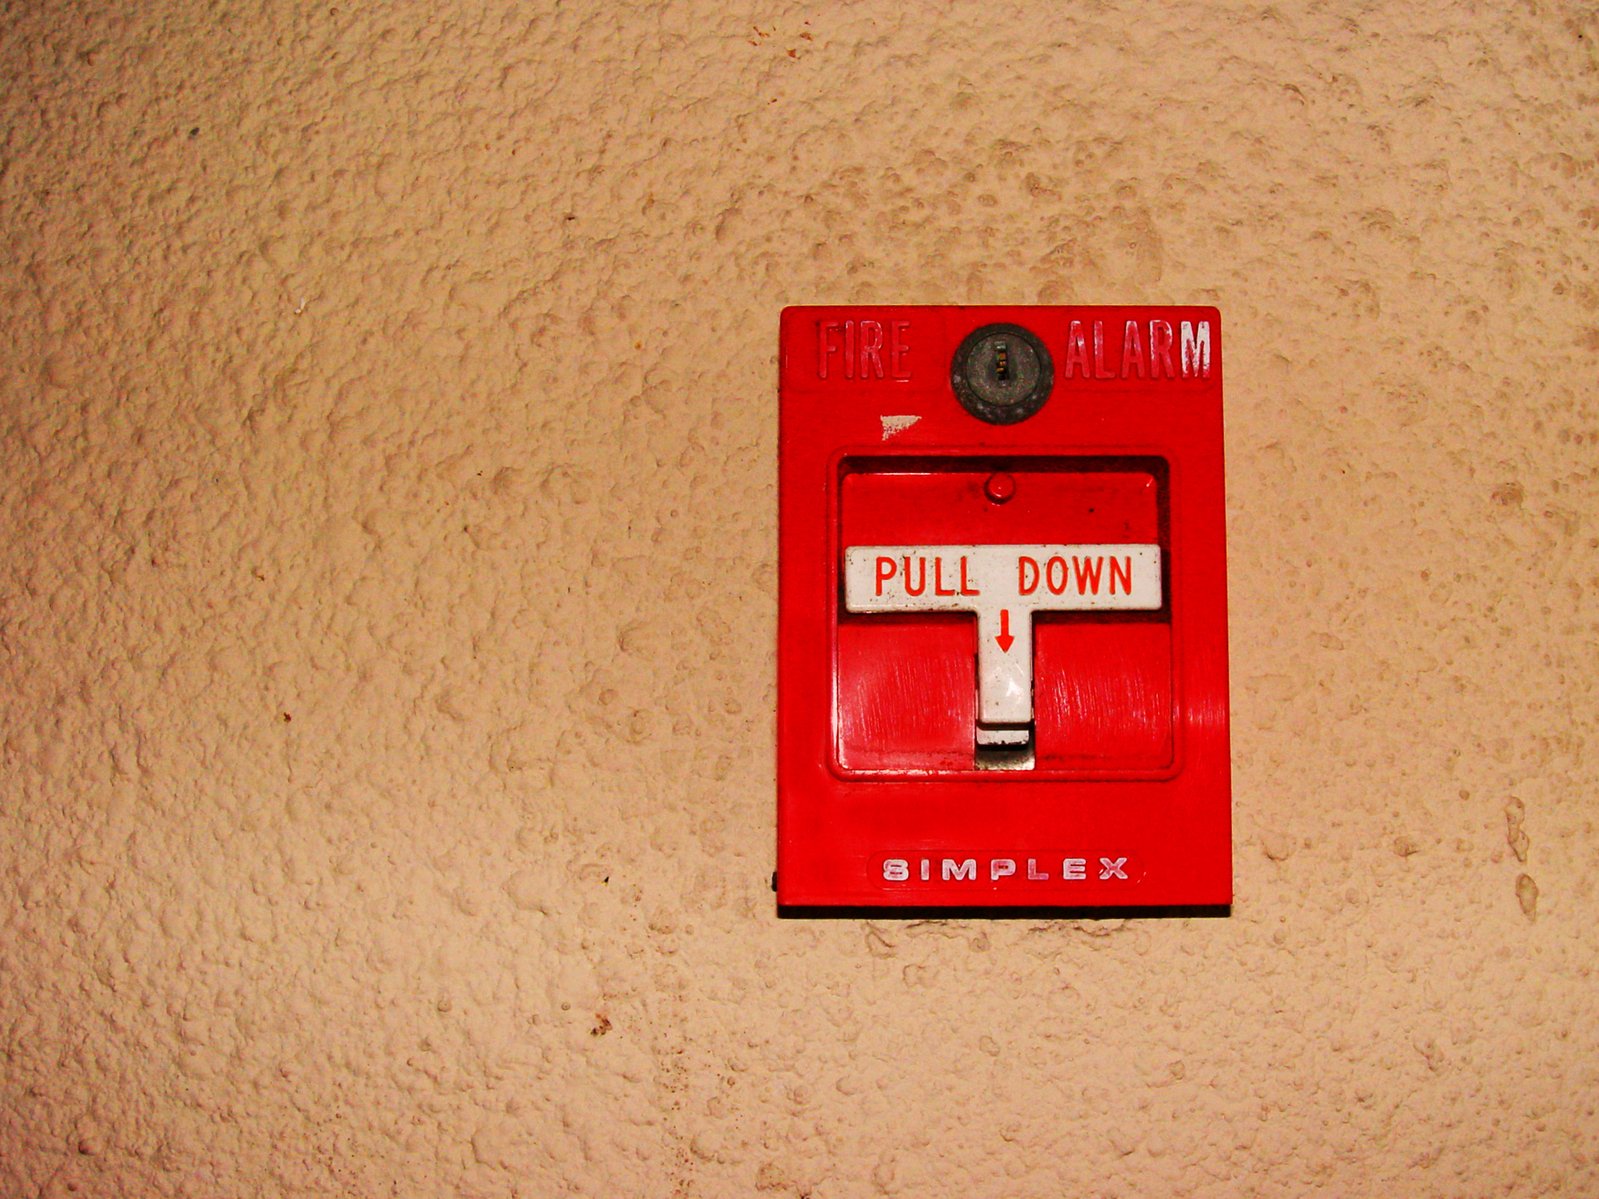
1002, 374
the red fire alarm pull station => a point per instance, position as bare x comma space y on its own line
1002, 623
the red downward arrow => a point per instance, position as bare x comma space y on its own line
1005, 639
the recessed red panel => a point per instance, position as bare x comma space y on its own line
1002, 609
1103, 693
886, 670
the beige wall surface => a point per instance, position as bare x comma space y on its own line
387, 604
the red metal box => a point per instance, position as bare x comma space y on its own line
1002, 612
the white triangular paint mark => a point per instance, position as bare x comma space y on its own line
893, 425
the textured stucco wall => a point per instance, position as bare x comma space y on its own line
387, 606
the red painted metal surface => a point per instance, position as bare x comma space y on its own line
881, 801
